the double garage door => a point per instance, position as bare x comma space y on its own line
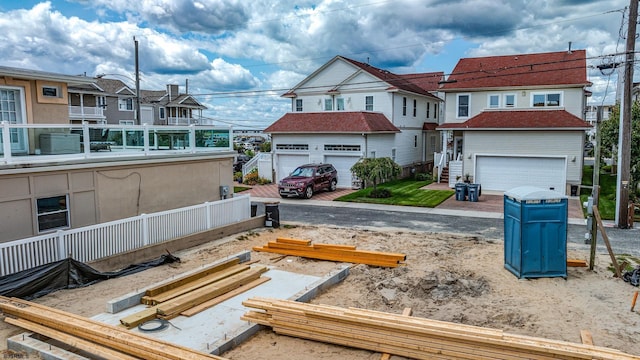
288, 162
502, 173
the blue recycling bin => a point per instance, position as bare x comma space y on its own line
535, 232
474, 192
461, 191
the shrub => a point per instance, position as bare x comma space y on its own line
251, 178
380, 193
423, 176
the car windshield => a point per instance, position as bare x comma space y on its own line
302, 172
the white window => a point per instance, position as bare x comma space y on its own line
415, 140
101, 101
328, 104
435, 111
509, 100
404, 106
546, 99
494, 101
393, 154
428, 109
125, 104
331, 147
462, 105
161, 113
368, 103
298, 105
292, 146
53, 213
340, 104
50, 91
415, 107
126, 122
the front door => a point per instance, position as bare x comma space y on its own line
12, 111
457, 148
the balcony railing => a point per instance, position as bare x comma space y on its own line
43, 143
86, 111
182, 121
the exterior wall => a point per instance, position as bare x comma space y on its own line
526, 143
572, 101
99, 193
39, 110
316, 144
113, 113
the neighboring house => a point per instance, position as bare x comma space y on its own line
87, 104
170, 107
53, 177
348, 110
517, 120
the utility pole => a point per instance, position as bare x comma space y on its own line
624, 149
595, 192
137, 82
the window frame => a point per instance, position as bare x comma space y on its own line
497, 97
125, 102
298, 105
546, 99
65, 210
340, 104
404, 106
428, 109
505, 102
162, 113
55, 94
415, 107
458, 96
368, 106
329, 102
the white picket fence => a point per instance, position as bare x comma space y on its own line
94, 242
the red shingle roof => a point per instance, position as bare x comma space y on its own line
520, 119
332, 122
554, 68
429, 126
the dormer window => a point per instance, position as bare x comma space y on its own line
298, 105
328, 104
547, 99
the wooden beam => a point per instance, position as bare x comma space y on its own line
576, 263
218, 299
585, 336
596, 214
405, 312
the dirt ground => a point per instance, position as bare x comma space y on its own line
447, 277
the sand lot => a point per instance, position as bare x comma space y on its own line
447, 277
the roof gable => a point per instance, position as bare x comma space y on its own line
333, 122
541, 69
520, 119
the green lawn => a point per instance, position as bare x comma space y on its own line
607, 202
237, 189
404, 192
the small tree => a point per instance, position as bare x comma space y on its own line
376, 170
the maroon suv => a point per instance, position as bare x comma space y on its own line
308, 179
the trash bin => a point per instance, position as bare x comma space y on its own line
535, 232
461, 191
574, 190
272, 215
254, 209
474, 192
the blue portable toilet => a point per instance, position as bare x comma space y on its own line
535, 232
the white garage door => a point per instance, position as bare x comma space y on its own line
287, 163
505, 173
343, 164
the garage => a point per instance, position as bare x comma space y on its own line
289, 162
501, 173
343, 165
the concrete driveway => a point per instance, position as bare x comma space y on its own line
488, 202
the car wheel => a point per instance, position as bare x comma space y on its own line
332, 186
308, 192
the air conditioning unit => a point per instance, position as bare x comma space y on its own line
59, 143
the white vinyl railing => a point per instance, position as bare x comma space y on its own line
253, 163
94, 242
86, 110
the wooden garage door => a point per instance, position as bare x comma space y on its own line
502, 173
289, 162
343, 164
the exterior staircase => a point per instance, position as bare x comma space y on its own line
444, 176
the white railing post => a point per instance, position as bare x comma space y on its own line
86, 140
145, 136
192, 138
208, 212
145, 229
62, 249
6, 142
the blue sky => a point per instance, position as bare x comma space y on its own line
239, 56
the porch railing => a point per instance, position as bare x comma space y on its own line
253, 164
182, 121
94, 242
33, 143
85, 110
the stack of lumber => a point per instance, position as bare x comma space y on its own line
197, 292
412, 337
102, 340
332, 252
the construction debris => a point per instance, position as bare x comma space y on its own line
102, 340
412, 337
332, 252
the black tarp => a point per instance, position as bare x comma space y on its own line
65, 274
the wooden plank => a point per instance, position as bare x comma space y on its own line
585, 336
195, 284
293, 241
76, 342
215, 301
616, 266
334, 246
138, 318
185, 279
405, 312
576, 263
331, 256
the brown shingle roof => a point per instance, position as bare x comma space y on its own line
111, 86
520, 119
332, 122
553, 68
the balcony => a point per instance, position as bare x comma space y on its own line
182, 121
86, 112
31, 144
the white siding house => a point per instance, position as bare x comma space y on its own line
347, 110
518, 119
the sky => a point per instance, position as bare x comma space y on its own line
240, 56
